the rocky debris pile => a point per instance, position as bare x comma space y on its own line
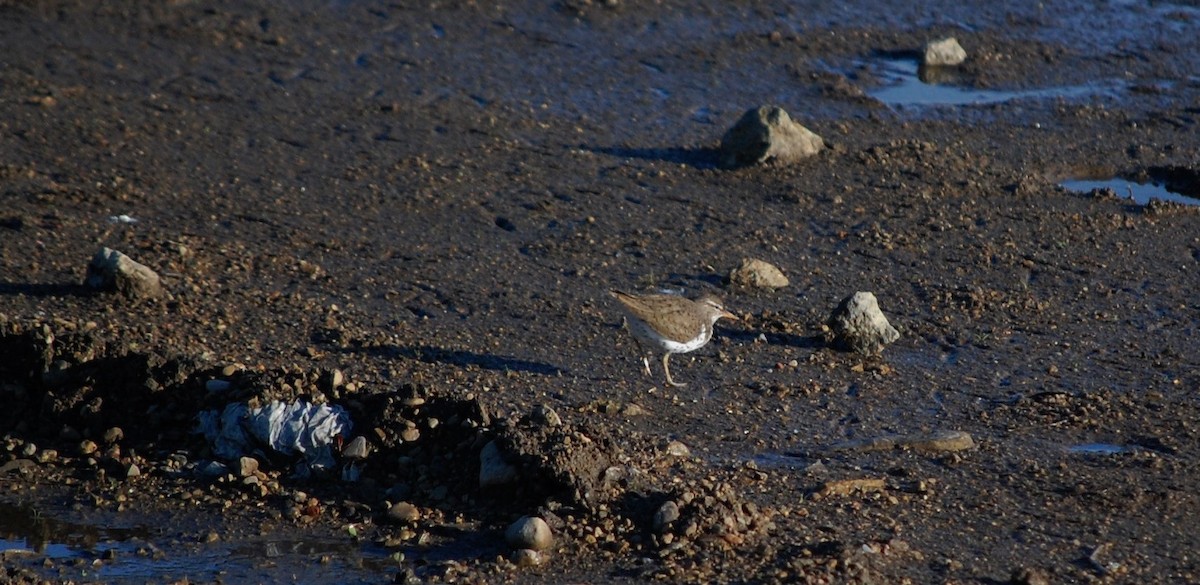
767, 134
709, 512
414, 462
62, 379
557, 460
858, 325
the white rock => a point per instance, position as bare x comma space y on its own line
858, 325
767, 134
944, 53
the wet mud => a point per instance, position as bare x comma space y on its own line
414, 214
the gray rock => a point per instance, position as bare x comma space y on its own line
530, 532
858, 325
543, 414
758, 273
935, 442
944, 53
112, 270
664, 516
357, 449
767, 134
493, 469
16, 465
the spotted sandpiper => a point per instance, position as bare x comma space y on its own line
671, 323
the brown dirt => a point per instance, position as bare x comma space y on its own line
435, 200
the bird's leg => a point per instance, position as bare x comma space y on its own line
645, 356
641, 348
667, 369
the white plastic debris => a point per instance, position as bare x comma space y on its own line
121, 219
297, 428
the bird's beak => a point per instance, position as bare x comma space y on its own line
729, 315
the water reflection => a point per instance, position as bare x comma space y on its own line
908, 84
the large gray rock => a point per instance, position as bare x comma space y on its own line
112, 270
858, 325
944, 53
767, 134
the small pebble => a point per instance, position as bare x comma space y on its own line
677, 449
113, 435
403, 513
527, 558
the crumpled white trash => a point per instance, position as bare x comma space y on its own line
289, 428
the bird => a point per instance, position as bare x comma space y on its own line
671, 323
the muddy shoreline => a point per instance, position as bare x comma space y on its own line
414, 214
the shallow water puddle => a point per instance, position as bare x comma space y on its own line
908, 84
1098, 449
28, 529
1140, 193
60, 549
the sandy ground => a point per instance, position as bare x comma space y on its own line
433, 201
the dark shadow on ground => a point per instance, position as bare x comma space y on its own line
700, 158
44, 290
458, 357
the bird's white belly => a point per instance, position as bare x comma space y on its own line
669, 345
